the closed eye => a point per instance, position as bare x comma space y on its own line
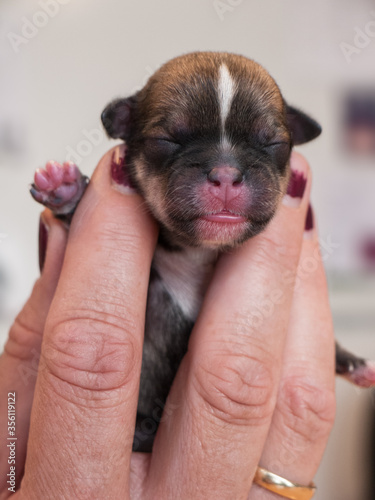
166, 145
165, 139
279, 143
171, 141
279, 152
279, 147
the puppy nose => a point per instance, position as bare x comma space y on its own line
225, 176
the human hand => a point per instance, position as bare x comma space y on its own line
255, 387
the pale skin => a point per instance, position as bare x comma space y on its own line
256, 387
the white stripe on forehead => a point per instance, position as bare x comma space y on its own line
226, 91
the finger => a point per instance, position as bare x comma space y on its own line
230, 375
82, 422
305, 408
20, 359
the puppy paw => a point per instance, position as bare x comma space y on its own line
363, 376
357, 370
59, 187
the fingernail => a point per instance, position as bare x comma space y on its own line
43, 239
297, 184
309, 224
119, 171
296, 188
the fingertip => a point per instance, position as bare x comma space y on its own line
53, 237
104, 206
50, 221
112, 170
309, 232
298, 162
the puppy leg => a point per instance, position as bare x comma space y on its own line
59, 187
357, 370
144, 435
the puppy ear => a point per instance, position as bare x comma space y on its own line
117, 118
302, 127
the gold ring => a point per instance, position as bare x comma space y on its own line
283, 487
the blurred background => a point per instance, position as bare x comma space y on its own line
62, 61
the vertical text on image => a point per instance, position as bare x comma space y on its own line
11, 442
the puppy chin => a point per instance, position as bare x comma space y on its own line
200, 233
219, 235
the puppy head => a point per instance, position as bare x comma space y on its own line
209, 139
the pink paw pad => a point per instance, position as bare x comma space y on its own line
363, 376
59, 187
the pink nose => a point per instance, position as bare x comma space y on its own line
225, 182
225, 175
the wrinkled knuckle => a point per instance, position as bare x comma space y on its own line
23, 340
91, 355
237, 389
114, 233
307, 410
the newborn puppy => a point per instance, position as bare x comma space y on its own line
208, 140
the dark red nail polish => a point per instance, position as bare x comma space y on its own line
309, 224
43, 239
297, 184
118, 171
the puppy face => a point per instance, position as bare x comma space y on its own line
209, 139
